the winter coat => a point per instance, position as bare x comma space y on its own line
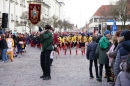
46, 39
101, 55
123, 79
4, 44
102, 49
91, 49
121, 55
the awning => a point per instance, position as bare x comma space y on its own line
117, 23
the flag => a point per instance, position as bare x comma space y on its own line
34, 13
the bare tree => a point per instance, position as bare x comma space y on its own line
123, 11
60, 24
54, 21
113, 11
25, 22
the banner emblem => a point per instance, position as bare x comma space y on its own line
34, 13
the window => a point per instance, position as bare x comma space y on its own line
96, 20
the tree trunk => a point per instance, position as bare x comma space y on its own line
124, 25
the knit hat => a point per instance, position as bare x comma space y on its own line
123, 32
127, 35
106, 32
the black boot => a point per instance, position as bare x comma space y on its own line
47, 78
99, 79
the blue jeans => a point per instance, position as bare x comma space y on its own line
4, 56
19, 48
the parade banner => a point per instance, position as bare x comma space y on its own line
34, 13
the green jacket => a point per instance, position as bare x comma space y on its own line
46, 39
102, 49
102, 56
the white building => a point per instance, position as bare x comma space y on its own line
15, 8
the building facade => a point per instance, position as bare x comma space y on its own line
15, 8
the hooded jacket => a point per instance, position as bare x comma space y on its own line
123, 79
102, 49
121, 55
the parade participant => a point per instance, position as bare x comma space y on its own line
91, 56
82, 44
10, 43
88, 38
46, 39
70, 43
19, 43
101, 53
76, 44
38, 40
15, 44
60, 38
65, 45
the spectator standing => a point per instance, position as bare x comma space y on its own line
102, 49
91, 56
122, 54
123, 79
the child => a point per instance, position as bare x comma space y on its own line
123, 78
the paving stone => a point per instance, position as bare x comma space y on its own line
67, 70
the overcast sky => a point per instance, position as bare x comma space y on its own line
79, 11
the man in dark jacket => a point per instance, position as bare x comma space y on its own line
123, 52
91, 56
46, 40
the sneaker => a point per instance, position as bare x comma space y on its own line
2, 61
91, 77
47, 78
6, 61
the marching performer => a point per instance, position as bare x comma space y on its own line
82, 44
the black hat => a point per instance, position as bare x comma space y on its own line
127, 35
48, 27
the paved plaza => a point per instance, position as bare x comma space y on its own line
67, 70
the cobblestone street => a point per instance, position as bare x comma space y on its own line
69, 70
